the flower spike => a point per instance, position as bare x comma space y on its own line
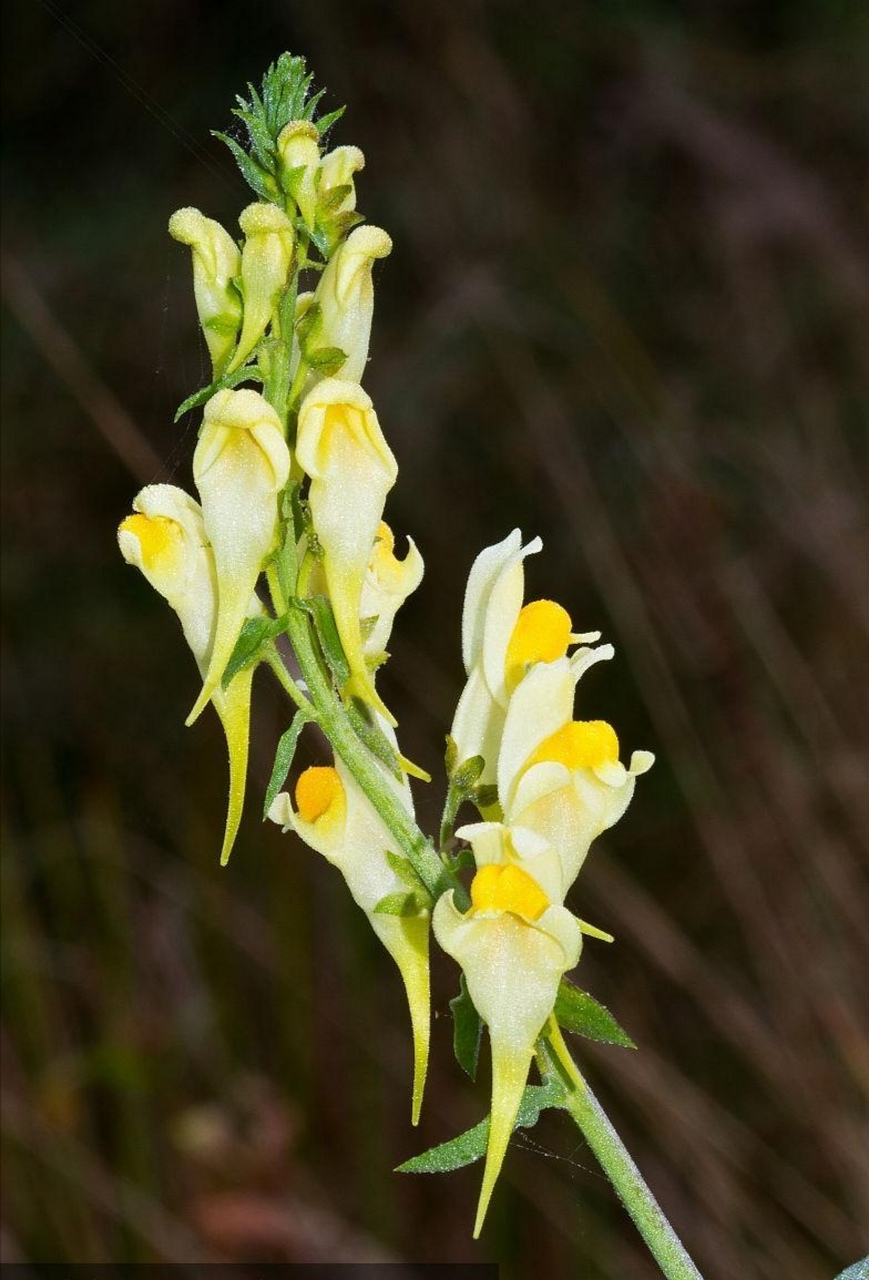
240, 466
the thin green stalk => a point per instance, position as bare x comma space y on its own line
612, 1155
333, 720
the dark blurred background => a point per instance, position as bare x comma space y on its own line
627, 309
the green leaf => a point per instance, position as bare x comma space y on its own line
374, 738
398, 904
253, 637
467, 1030
320, 609
248, 373
262, 183
471, 1145
405, 871
283, 759
451, 754
577, 1011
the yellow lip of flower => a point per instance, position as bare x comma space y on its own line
580, 744
155, 535
507, 888
542, 633
317, 790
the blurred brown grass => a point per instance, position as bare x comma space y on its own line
627, 309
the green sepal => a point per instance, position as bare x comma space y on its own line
486, 796
467, 1030
286, 749
575, 1010
471, 1145
467, 774
247, 373
255, 634
400, 904
327, 360
451, 754
333, 198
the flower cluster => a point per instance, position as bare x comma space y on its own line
288, 538
559, 784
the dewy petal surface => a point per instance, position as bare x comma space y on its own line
349, 833
240, 466
341, 447
166, 539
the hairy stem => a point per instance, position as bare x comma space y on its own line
612, 1155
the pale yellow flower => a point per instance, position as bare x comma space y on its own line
333, 816
557, 776
216, 266
165, 538
240, 466
341, 447
513, 945
501, 640
266, 259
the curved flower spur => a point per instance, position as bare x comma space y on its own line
288, 540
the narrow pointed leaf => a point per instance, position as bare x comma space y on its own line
580, 1013
253, 637
248, 373
467, 1030
283, 759
471, 1145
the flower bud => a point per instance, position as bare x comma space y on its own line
216, 265
299, 152
240, 466
336, 170
266, 260
345, 295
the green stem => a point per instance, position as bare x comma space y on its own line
665, 1246
334, 722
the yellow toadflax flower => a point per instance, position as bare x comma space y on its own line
501, 639
336, 170
345, 295
166, 539
513, 945
334, 817
341, 447
561, 777
240, 466
216, 266
299, 152
388, 583
265, 269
